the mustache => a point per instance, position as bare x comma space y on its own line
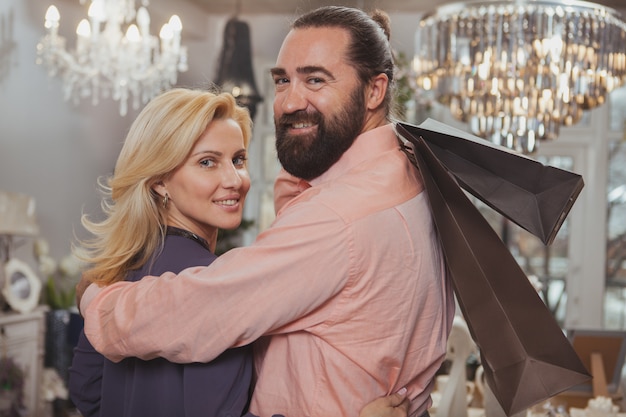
300, 116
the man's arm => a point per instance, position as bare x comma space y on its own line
81, 287
286, 187
245, 293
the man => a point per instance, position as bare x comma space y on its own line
348, 282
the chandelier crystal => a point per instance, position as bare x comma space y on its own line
115, 54
516, 71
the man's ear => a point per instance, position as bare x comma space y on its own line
376, 91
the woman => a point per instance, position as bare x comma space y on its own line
180, 177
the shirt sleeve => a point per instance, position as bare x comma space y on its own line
275, 285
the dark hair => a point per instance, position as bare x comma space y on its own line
369, 52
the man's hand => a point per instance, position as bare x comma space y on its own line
395, 405
82, 285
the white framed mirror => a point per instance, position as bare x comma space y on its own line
21, 286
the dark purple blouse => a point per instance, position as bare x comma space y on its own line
158, 388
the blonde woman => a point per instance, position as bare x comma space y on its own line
180, 177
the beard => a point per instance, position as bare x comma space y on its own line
308, 156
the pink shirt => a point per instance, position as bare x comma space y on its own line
348, 281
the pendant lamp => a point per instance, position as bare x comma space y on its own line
235, 74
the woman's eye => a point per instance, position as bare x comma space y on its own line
207, 163
240, 160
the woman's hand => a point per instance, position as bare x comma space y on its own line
394, 405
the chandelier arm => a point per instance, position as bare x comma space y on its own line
108, 63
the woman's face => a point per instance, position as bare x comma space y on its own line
207, 191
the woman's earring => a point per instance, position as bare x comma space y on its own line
166, 199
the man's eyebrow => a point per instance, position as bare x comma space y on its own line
310, 69
277, 71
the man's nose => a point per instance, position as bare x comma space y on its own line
292, 100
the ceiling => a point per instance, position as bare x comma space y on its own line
300, 6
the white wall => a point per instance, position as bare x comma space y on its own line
55, 151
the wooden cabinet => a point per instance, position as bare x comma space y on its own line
22, 338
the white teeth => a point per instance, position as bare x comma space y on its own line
227, 202
301, 125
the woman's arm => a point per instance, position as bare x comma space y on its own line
85, 378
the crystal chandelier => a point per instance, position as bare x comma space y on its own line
110, 63
516, 71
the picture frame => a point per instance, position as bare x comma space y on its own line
611, 344
21, 288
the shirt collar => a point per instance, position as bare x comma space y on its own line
365, 146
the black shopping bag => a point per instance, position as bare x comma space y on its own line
536, 197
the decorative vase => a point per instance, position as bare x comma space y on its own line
62, 329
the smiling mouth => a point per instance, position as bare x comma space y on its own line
300, 120
302, 125
228, 203
301, 128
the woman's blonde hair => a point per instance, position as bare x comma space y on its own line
159, 141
